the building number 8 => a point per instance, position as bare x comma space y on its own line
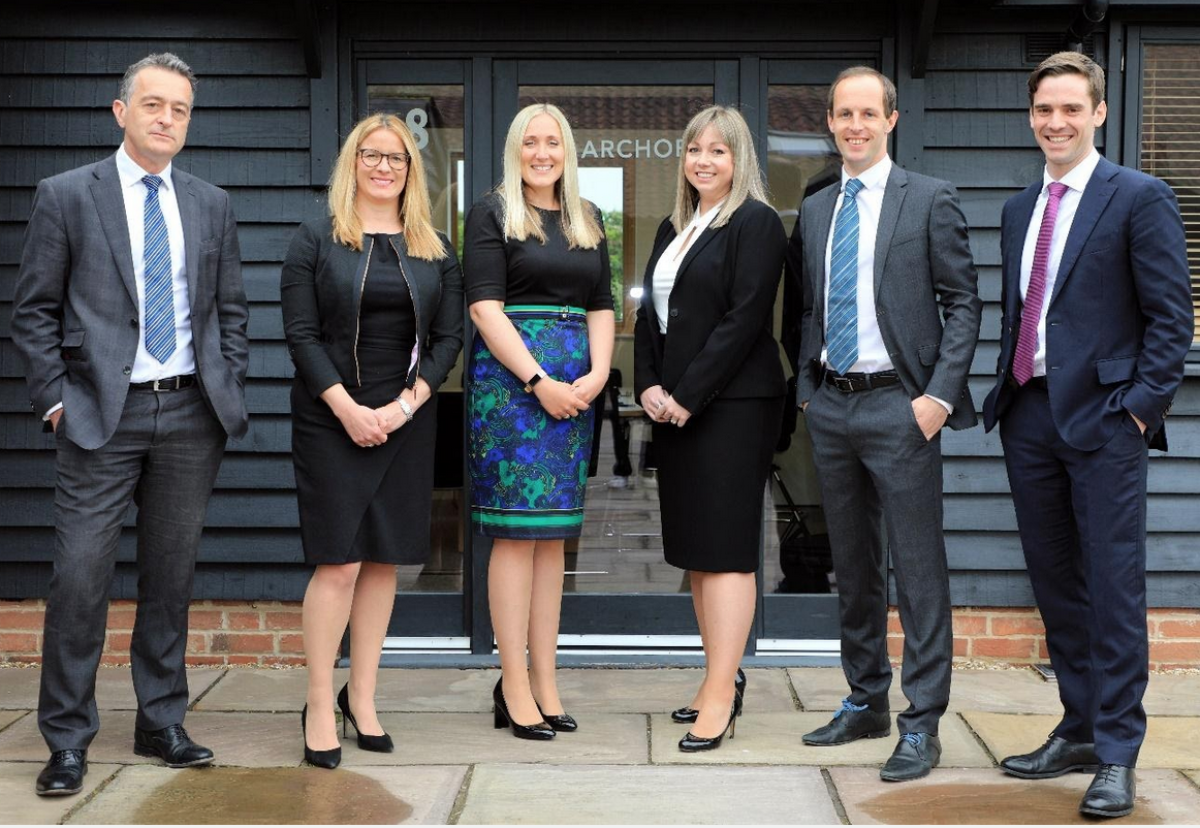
416, 119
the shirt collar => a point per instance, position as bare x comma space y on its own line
702, 220
131, 172
873, 178
1077, 178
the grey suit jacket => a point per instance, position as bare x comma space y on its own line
75, 310
926, 300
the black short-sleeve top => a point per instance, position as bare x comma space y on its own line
530, 272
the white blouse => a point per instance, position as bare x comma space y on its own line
667, 267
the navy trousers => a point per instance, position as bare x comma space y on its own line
1082, 521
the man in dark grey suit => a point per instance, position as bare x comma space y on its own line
130, 313
890, 322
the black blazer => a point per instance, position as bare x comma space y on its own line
719, 340
320, 289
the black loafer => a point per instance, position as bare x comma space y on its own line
1055, 758
63, 774
916, 754
172, 745
848, 725
1111, 793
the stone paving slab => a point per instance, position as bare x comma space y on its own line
249, 740
622, 795
469, 738
1195, 777
7, 717
982, 797
19, 805
215, 796
1171, 694
114, 687
774, 739
661, 690
1170, 740
1002, 691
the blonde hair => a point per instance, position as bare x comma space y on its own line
747, 177
579, 225
420, 238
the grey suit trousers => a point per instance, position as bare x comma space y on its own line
875, 466
164, 457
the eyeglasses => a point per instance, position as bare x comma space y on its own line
372, 157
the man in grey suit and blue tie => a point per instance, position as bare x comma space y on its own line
890, 323
130, 314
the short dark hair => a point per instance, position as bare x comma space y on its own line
1069, 63
161, 60
889, 88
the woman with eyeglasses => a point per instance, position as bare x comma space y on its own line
538, 285
372, 311
707, 372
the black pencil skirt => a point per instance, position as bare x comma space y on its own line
711, 478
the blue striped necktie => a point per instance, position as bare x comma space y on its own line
159, 312
841, 331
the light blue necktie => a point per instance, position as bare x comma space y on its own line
841, 331
160, 295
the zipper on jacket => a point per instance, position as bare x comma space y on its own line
358, 312
416, 310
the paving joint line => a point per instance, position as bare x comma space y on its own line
460, 799
207, 690
834, 796
650, 739
74, 809
24, 713
796, 703
978, 739
1188, 779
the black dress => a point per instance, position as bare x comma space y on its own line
368, 504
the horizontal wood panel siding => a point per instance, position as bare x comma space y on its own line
975, 129
250, 133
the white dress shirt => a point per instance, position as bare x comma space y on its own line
667, 267
1076, 180
183, 360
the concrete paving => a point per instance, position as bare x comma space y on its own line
988, 797
614, 795
451, 766
1171, 741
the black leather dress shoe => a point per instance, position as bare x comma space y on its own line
172, 745
1111, 792
848, 725
916, 754
1056, 757
63, 774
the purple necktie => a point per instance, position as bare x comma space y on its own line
1035, 294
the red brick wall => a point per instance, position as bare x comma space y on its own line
268, 633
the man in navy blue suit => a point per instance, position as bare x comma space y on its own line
1097, 320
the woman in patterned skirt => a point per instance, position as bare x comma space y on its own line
537, 276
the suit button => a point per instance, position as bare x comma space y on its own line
133, 323
674, 312
126, 370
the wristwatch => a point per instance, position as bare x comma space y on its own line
534, 380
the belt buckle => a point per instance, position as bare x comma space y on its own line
843, 384
168, 384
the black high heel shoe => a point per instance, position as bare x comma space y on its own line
562, 724
378, 744
692, 743
501, 718
328, 759
687, 715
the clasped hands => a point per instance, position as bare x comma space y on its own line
369, 427
662, 408
562, 400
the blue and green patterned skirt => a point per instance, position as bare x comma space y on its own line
529, 470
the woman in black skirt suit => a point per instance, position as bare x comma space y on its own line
372, 310
538, 285
708, 373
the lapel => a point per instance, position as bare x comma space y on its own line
889, 214
660, 245
694, 250
1014, 246
823, 204
189, 217
110, 206
1096, 196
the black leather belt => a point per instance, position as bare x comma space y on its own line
849, 383
168, 384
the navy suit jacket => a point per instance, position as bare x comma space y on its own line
1119, 323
